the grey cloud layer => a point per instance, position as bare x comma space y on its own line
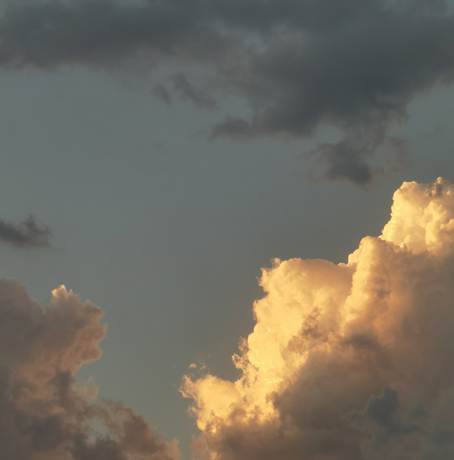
26, 234
44, 415
298, 64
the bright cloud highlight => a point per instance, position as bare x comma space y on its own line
350, 361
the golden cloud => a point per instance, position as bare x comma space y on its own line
350, 361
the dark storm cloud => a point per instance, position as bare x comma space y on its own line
47, 34
26, 234
299, 64
44, 414
348, 157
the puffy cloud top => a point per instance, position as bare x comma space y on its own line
348, 361
44, 414
422, 217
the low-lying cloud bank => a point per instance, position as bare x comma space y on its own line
44, 414
350, 361
297, 64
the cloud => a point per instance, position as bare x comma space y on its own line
26, 234
382, 409
348, 159
98, 33
162, 94
188, 92
298, 64
44, 414
348, 361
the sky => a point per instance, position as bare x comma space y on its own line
157, 155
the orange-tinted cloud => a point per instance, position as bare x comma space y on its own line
44, 415
350, 361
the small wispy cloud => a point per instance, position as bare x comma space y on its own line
25, 234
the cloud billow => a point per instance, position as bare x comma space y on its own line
299, 64
44, 414
349, 361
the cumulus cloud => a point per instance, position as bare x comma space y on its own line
44, 414
26, 234
349, 361
298, 64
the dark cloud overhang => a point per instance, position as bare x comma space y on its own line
301, 64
